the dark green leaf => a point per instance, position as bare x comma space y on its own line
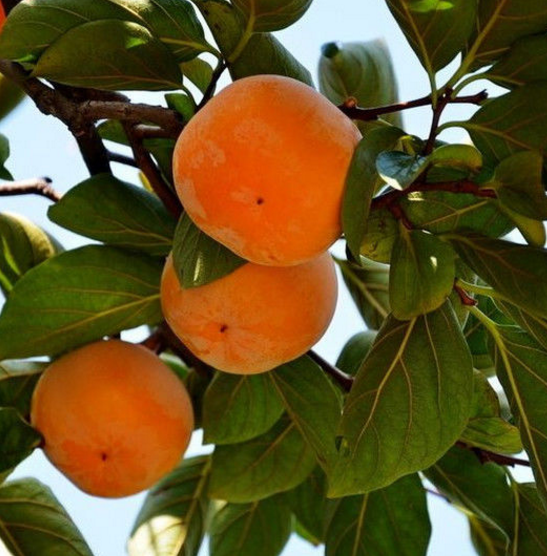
487, 539
173, 518
272, 15
308, 503
34, 26
398, 169
500, 23
532, 534
480, 488
79, 296
24, 246
261, 528
182, 103
32, 521
511, 123
354, 352
368, 286
421, 275
274, 462
382, 230
409, 403
464, 158
4, 155
312, 403
17, 439
264, 54
239, 407
119, 56
362, 71
533, 231
199, 259
521, 365
393, 520
436, 30
362, 182
116, 212
523, 63
11, 96
534, 325
197, 383
17, 382
199, 72
517, 272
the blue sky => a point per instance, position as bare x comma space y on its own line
42, 146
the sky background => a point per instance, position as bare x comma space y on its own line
41, 146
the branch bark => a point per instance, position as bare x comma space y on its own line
343, 379
36, 186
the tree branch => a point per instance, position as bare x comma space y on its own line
211, 88
343, 379
122, 159
37, 186
486, 456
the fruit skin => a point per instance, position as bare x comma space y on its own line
262, 169
255, 318
114, 417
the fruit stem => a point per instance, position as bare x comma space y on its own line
343, 379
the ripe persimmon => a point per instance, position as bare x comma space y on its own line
262, 167
113, 416
255, 318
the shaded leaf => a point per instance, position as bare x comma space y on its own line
399, 169
421, 275
173, 517
462, 158
312, 403
535, 326
11, 96
239, 407
533, 231
117, 213
261, 528
17, 382
77, 297
409, 403
199, 259
274, 462
119, 56
34, 522
17, 439
381, 233
199, 72
24, 245
487, 539
354, 352
272, 15
393, 520
532, 535
436, 30
4, 155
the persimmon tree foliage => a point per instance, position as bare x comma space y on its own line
343, 453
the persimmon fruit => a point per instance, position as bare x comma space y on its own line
113, 416
262, 167
256, 317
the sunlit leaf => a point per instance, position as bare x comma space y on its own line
272, 15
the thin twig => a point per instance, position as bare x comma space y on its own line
486, 456
343, 379
211, 88
36, 186
122, 159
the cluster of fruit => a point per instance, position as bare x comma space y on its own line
262, 170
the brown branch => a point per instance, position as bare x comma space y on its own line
343, 379
486, 456
37, 186
211, 88
122, 159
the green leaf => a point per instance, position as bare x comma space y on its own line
422, 274
517, 272
77, 297
532, 535
437, 30
308, 503
17, 439
11, 96
368, 286
24, 246
264, 54
523, 63
486, 428
272, 15
119, 56
382, 231
354, 352
261, 528
17, 382
199, 259
117, 213
535, 326
487, 539
500, 23
239, 407
441, 212
312, 403
479, 488
409, 403
393, 520
463, 158
362, 71
521, 366
199, 72
518, 184
173, 518
274, 462
33, 27
511, 123
362, 181
4, 155
32, 521
533, 231
399, 169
